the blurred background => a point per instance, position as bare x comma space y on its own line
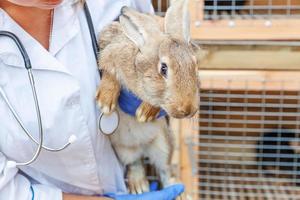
244, 142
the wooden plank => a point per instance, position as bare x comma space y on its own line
253, 80
196, 6
246, 58
281, 29
187, 129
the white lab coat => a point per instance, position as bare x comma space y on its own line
66, 81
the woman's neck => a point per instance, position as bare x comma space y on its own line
37, 22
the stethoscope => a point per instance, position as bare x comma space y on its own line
103, 120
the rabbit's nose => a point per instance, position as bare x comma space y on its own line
185, 109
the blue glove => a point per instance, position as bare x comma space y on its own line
129, 103
169, 193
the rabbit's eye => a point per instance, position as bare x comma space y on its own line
164, 70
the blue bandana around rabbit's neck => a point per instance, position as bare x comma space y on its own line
129, 103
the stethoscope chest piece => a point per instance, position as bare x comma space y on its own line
108, 124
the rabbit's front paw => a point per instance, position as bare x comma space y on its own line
146, 112
138, 186
184, 196
137, 180
107, 99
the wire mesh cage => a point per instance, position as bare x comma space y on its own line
247, 143
241, 19
251, 9
245, 19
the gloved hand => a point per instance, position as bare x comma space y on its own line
169, 193
129, 103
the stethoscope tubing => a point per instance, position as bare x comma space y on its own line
17, 117
28, 67
96, 50
38, 115
39, 118
20, 46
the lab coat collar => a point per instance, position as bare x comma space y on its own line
69, 2
65, 27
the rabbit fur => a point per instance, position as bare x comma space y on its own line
134, 52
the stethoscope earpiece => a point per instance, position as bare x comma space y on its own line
11, 164
72, 139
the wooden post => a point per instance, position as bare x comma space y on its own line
185, 129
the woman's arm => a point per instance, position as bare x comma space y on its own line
15, 186
79, 197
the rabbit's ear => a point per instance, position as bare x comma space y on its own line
140, 28
177, 20
131, 31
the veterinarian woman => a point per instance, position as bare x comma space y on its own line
56, 37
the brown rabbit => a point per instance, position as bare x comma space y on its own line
157, 63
